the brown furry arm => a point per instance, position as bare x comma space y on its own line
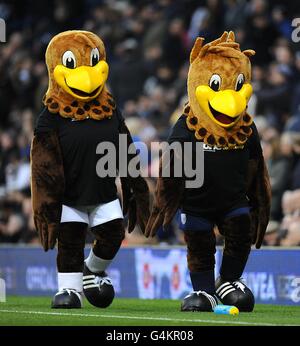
47, 186
135, 193
259, 194
168, 196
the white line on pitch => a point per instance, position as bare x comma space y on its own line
144, 318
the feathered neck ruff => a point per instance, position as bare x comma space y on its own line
214, 135
66, 106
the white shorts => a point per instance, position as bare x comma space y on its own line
92, 215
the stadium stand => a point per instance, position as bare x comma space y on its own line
151, 40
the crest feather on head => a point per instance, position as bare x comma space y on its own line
224, 45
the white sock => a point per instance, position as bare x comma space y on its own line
95, 263
69, 280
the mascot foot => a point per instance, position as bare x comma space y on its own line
67, 299
199, 301
97, 288
235, 293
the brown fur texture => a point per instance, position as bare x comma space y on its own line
237, 232
168, 197
47, 186
58, 100
135, 193
201, 248
136, 202
224, 57
238, 237
100, 108
259, 194
71, 241
109, 237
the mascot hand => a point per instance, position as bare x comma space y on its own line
135, 202
159, 217
47, 233
169, 192
259, 222
47, 224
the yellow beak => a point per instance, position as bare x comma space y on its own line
84, 82
224, 107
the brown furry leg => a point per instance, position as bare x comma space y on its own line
238, 238
201, 248
109, 237
71, 241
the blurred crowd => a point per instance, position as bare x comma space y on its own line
148, 45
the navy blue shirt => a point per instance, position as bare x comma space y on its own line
225, 175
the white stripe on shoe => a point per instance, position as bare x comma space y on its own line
227, 292
209, 297
225, 289
79, 296
212, 301
92, 281
222, 286
88, 277
90, 286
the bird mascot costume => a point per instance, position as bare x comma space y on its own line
235, 194
68, 195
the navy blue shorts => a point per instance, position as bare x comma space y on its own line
196, 223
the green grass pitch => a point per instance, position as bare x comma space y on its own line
35, 311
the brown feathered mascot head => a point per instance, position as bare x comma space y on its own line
77, 74
218, 91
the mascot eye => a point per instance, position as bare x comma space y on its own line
95, 56
68, 59
239, 82
215, 82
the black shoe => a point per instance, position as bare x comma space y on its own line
97, 288
235, 293
67, 299
199, 301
